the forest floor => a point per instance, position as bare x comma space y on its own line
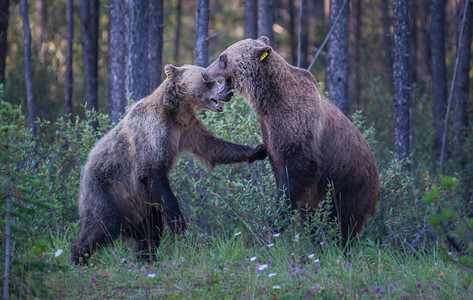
203, 267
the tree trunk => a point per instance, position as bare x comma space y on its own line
354, 50
4, 16
387, 38
251, 16
137, 48
439, 73
266, 19
27, 59
155, 42
40, 28
117, 60
70, 41
306, 30
293, 40
327, 13
201, 31
412, 40
337, 56
424, 70
461, 87
89, 16
178, 31
401, 80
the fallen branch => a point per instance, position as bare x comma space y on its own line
328, 35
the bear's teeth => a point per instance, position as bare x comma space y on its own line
221, 87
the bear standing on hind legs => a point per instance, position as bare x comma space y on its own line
310, 143
124, 186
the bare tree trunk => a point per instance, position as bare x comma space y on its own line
27, 59
354, 50
178, 30
461, 87
4, 17
70, 41
424, 69
327, 13
40, 28
89, 17
439, 73
137, 48
292, 31
6, 276
337, 58
387, 37
412, 40
201, 31
266, 19
307, 26
117, 60
155, 42
301, 37
251, 15
401, 80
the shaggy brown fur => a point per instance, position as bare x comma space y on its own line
310, 143
124, 183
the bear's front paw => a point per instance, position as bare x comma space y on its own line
259, 153
178, 225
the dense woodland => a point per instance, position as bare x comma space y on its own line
400, 70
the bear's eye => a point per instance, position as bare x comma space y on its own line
222, 61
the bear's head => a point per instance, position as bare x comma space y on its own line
239, 63
188, 88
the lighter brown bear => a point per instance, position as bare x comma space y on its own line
124, 188
310, 143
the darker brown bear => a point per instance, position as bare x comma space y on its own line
124, 185
310, 143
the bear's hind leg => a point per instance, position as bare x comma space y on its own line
99, 226
148, 235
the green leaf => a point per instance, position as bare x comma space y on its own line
447, 214
434, 220
449, 182
429, 196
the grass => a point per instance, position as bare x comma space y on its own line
241, 266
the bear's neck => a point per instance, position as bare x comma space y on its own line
168, 103
262, 86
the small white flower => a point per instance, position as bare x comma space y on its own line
151, 275
296, 238
238, 233
316, 260
253, 258
58, 253
272, 274
276, 287
262, 267
270, 245
276, 234
321, 243
310, 256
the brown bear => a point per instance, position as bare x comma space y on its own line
124, 186
310, 143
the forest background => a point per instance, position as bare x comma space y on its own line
401, 70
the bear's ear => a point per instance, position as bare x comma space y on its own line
171, 71
264, 39
262, 53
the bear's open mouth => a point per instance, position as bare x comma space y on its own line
225, 88
215, 106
